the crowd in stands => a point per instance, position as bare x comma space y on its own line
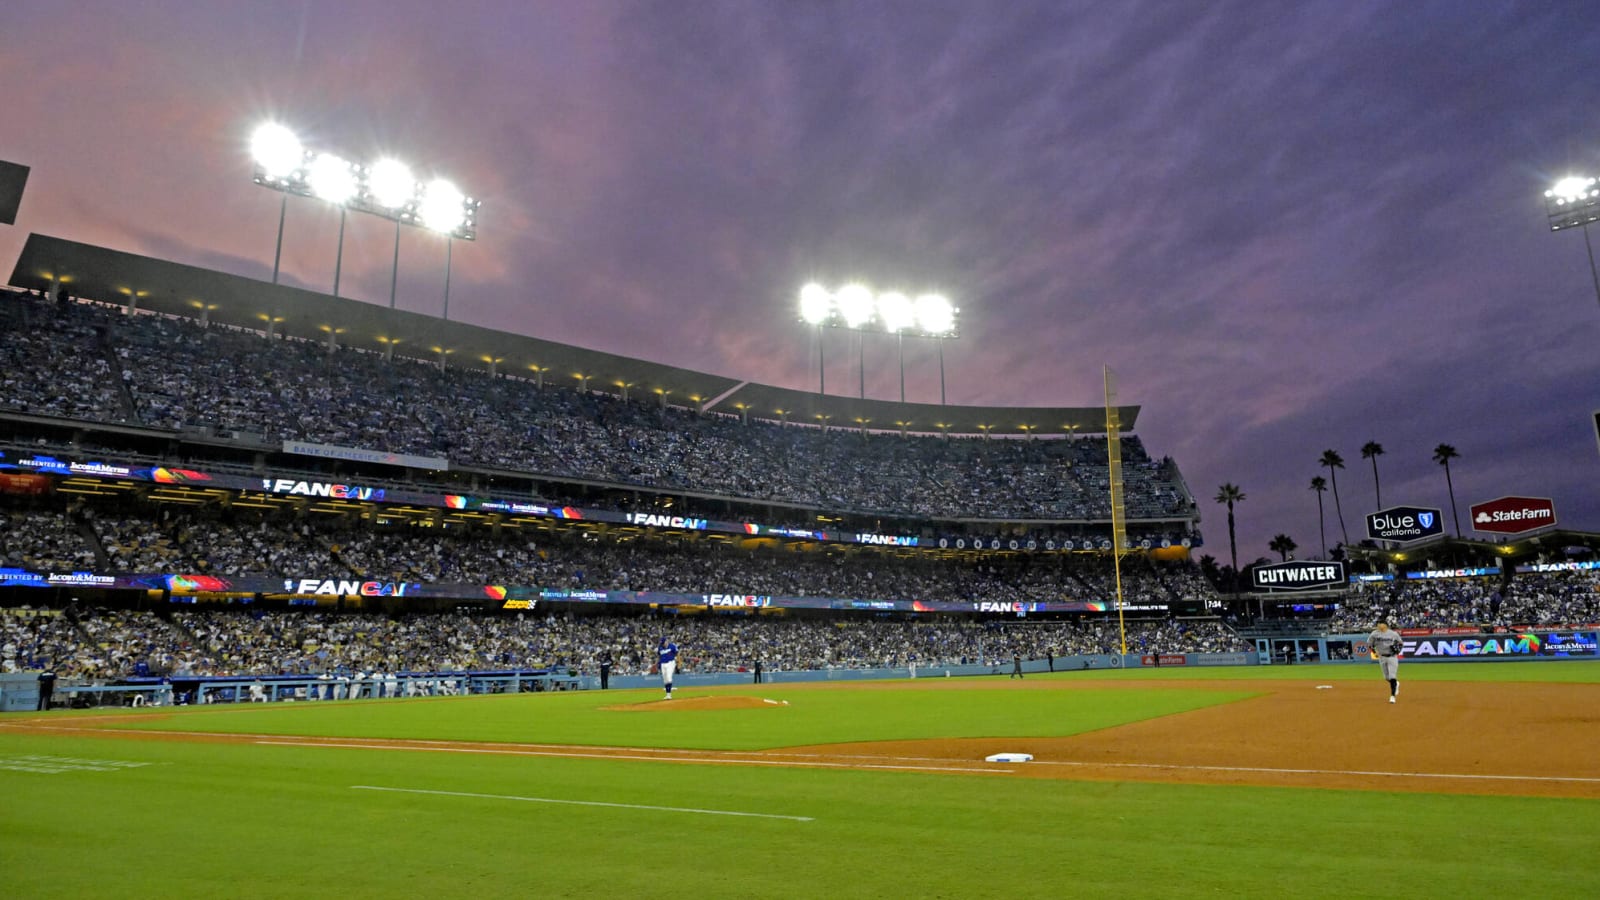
110, 644
140, 538
70, 357
42, 540
56, 371
1555, 598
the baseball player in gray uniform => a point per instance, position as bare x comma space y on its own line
1386, 643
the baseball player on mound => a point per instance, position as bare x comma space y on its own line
667, 655
1386, 643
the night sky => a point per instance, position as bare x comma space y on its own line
1287, 227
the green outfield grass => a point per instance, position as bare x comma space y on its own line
248, 820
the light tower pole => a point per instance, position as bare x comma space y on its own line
1574, 201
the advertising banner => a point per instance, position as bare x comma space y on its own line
1513, 515
1452, 573
20, 483
1560, 645
1297, 576
1164, 659
184, 586
1404, 524
311, 488
1585, 566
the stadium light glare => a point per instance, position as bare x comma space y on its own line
897, 311
935, 315
816, 304
857, 308
1571, 189
332, 178
276, 150
443, 206
391, 183
855, 303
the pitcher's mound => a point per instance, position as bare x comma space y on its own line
698, 704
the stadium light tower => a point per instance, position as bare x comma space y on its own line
393, 188
898, 314
334, 180
856, 308
387, 189
1574, 201
816, 305
936, 317
277, 153
444, 210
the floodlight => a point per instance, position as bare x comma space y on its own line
855, 304
896, 311
935, 315
443, 206
1571, 189
332, 178
276, 150
816, 304
391, 183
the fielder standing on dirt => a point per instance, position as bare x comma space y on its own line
1386, 643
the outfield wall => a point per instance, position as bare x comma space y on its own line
1080, 663
1438, 644
20, 691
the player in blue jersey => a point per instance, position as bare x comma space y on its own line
667, 656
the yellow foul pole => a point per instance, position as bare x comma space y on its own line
1119, 524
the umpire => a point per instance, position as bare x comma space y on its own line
1386, 643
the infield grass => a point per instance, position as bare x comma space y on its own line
815, 714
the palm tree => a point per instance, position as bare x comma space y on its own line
1231, 494
1442, 455
1320, 485
1372, 450
1283, 545
1334, 462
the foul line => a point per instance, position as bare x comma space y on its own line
681, 809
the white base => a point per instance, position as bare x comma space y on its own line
1009, 757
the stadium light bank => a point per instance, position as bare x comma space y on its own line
856, 307
386, 188
1574, 202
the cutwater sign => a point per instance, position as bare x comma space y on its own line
1404, 523
1298, 576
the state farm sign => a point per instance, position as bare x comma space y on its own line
1513, 515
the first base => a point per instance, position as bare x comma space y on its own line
1009, 757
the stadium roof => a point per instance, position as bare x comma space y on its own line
112, 276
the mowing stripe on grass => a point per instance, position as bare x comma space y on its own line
567, 754
681, 809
